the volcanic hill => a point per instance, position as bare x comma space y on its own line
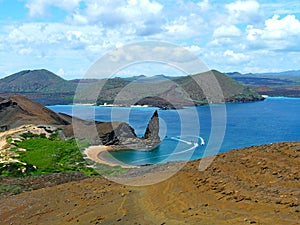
35, 81
47, 88
18, 110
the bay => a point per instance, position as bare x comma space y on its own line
276, 119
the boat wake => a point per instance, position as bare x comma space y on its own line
202, 142
193, 144
177, 139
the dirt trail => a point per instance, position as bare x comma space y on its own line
257, 185
4, 134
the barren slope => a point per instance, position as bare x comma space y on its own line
257, 185
18, 110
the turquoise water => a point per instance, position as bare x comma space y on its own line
183, 131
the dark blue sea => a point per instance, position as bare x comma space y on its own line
195, 132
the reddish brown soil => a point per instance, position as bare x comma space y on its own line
256, 185
18, 110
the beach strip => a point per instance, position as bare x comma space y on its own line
94, 153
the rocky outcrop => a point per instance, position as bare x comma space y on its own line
17, 110
152, 131
118, 134
6, 103
123, 135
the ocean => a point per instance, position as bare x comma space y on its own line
194, 132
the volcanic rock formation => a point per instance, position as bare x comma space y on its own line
18, 110
124, 135
152, 131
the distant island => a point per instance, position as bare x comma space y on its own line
161, 91
285, 84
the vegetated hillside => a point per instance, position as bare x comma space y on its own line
272, 84
231, 90
166, 92
35, 81
40, 85
203, 88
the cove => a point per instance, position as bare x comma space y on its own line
276, 119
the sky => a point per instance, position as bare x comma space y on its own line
68, 36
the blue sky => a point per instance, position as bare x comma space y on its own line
68, 36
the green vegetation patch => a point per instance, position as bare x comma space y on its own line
50, 155
38, 155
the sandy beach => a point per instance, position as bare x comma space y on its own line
94, 153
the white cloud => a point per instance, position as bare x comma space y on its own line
16, 36
227, 31
179, 26
253, 33
60, 72
195, 49
225, 34
277, 34
29, 33
243, 11
223, 41
189, 26
204, 5
61, 43
281, 7
25, 51
276, 28
145, 51
38, 7
142, 17
233, 57
78, 19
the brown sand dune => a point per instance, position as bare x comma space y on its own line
256, 185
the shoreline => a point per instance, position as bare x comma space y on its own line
94, 153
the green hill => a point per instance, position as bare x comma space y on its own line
198, 89
231, 90
47, 88
42, 86
35, 81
